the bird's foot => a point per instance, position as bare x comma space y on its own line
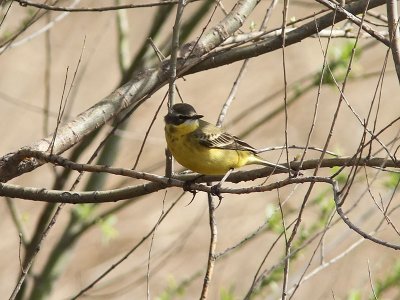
187, 188
216, 190
294, 173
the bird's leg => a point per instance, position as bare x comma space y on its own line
215, 189
194, 193
188, 183
186, 187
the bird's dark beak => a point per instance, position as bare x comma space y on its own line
195, 117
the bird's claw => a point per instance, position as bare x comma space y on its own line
295, 173
216, 191
186, 187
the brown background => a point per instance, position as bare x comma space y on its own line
21, 77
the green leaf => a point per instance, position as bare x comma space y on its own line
341, 178
227, 294
84, 211
338, 62
252, 26
274, 218
392, 181
107, 228
392, 280
354, 295
173, 290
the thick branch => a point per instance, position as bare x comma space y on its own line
54, 196
292, 37
224, 29
160, 182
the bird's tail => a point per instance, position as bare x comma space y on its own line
259, 161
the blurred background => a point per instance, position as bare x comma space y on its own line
87, 239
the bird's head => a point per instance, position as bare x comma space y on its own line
182, 113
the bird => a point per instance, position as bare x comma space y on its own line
205, 148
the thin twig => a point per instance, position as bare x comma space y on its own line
287, 252
371, 281
232, 93
60, 114
148, 132
99, 9
393, 24
47, 79
285, 96
29, 262
361, 232
62, 107
319, 245
325, 265
258, 277
37, 33
123, 40
324, 65
244, 240
169, 168
151, 246
6, 13
356, 20
213, 246
174, 52
296, 147
133, 249
16, 218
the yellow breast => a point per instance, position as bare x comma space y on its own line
208, 161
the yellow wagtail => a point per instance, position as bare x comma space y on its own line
205, 148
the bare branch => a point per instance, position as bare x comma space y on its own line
169, 162
393, 24
159, 182
292, 37
213, 245
356, 20
98, 9
10, 44
30, 260
224, 29
133, 249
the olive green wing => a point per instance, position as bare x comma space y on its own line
214, 137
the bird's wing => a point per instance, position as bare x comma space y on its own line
214, 137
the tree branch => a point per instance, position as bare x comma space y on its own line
225, 57
98, 9
343, 10
393, 24
158, 182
